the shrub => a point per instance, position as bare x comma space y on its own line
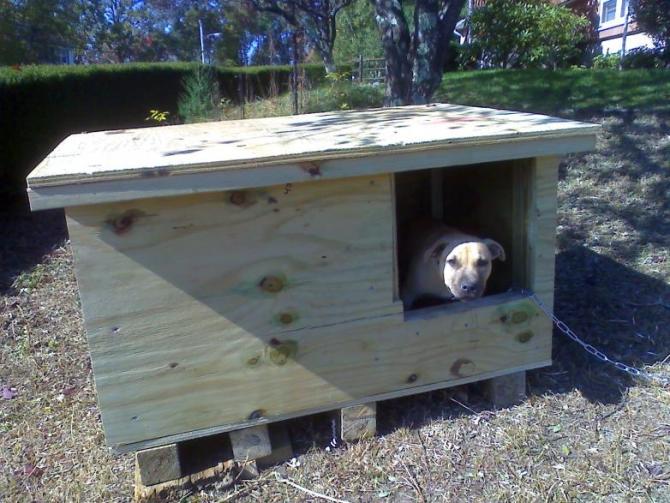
644, 57
526, 34
342, 95
606, 61
201, 97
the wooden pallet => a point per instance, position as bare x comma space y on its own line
169, 470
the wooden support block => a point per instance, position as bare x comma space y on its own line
507, 390
224, 473
158, 464
251, 443
282, 449
247, 470
201, 461
358, 422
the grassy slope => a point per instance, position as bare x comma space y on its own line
586, 431
567, 93
564, 92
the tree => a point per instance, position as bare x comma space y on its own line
653, 16
176, 24
118, 29
415, 61
11, 45
32, 31
316, 17
527, 34
248, 38
235, 33
357, 33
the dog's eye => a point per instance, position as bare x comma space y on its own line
452, 262
482, 262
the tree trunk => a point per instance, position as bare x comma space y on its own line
434, 24
324, 44
414, 65
329, 63
396, 43
425, 47
294, 73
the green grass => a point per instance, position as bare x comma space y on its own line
562, 92
586, 432
575, 92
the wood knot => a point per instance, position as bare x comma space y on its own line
238, 197
280, 353
519, 317
257, 414
463, 367
412, 378
271, 284
312, 168
122, 223
524, 337
285, 318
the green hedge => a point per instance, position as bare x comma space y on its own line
41, 105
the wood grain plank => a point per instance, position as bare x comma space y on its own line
199, 147
267, 261
542, 229
396, 393
162, 183
144, 396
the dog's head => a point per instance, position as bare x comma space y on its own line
465, 265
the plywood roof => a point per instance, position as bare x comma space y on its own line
230, 146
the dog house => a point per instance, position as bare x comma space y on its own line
244, 272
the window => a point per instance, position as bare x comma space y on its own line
609, 11
624, 5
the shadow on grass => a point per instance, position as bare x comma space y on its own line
25, 239
618, 310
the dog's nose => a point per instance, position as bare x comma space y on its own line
468, 287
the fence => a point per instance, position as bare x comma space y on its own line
369, 71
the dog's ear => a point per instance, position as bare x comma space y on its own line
496, 249
435, 250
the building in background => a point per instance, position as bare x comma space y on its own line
607, 16
63, 56
610, 20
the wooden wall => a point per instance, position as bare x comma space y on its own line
210, 312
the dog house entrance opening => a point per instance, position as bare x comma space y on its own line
461, 232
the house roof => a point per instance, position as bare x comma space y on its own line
169, 160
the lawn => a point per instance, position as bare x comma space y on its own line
586, 431
576, 93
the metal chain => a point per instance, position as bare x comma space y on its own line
590, 349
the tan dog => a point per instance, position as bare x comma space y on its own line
448, 264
